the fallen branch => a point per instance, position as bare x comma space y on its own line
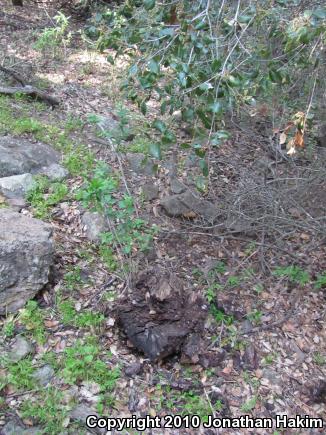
30, 91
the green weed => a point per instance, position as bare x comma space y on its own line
129, 231
82, 363
249, 405
20, 375
45, 195
294, 274
48, 410
8, 328
33, 318
255, 316
72, 279
53, 37
319, 359
320, 281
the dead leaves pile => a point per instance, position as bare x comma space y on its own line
293, 141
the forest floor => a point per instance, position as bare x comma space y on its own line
264, 336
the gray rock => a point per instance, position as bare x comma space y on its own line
16, 186
54, 172
94, 224
176, 186
20, 156
15, 427
17, 203
20, 348
26, 255
140, 164
81, 412
107, 123
133, 369
150, 191
246, 326
179, 205
44, 375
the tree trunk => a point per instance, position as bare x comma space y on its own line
17, 2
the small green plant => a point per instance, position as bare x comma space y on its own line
189, 403
211, 292
220, 316
45, 195
79, 160
26, 125
83, 319
320, 281
319, 359
255, 316
269, 359
73, 278
128, 230
249, 405
73, 124
53, 37
259, 288
47, 409
82, 363
294, 274
20, 375
233, 281
108, 257
8, 328
33, 318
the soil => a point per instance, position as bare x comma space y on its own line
201, 314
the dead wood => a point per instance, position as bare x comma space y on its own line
30, 91
14, 74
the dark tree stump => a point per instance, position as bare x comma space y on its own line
159, 315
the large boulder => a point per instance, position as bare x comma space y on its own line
26, 255
20, 156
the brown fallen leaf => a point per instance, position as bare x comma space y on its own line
282, 138
298, 139
51, 323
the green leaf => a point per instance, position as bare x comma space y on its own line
143, 107
201, 25
216, 107
199, 151
159, 125
149, 4
110, 59
275, 76
182, 79
233, 81
167, 31
205, 86
216, 65
154, 66
163, 107
188, 114
133, 70
168, 137
204, 167
155, 150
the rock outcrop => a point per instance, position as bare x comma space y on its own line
26, 256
